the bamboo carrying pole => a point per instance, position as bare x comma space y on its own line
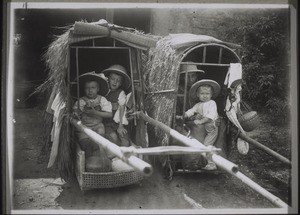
138, 164
219, 161
272, 198
264, 148
165, 150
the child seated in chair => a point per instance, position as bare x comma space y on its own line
204, 114
91, 108
118, 82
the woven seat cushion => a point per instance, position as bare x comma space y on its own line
98, 164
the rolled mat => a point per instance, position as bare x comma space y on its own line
98, 30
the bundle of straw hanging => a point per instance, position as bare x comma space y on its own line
66, 151
56, 61
161, 75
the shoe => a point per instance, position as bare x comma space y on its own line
210, 166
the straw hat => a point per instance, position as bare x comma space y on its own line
92, 76
190, 67
212, 83
120, 70
235, 83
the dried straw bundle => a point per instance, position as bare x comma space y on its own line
56, 61
161, 74
47, 127
66, 150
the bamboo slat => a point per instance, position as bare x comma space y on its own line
165, 150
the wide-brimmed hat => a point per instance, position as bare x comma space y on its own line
236, 83
120, 70
216, 87
91, 76
190, 67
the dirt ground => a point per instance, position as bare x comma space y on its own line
36, 187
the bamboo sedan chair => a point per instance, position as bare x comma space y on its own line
102, 53
83, 48
214, 60
169, 99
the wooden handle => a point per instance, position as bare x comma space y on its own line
264, 148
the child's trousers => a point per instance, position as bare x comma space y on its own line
206, 134
212, 133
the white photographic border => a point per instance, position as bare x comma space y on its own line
8, 70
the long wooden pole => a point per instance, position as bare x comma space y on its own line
264, 148
138, 164
219, 161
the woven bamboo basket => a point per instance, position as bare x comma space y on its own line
249, 121
96, 180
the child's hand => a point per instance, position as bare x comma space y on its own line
121, 130
178, 117
98, 108
76, 114
87, 109
199, 116
197, 122
90, 111
129, 115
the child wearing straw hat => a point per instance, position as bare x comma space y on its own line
118, 82
204, 113
91, 108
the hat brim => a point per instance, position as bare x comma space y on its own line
212, 83
235, 83
103, 84
126, 79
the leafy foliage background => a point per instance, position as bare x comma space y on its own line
264, 36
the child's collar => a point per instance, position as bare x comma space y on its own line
205, 102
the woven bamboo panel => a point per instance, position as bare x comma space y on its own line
92, 180
249, 121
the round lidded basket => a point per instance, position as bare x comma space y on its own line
249, 121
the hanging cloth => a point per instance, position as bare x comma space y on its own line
232, 80
57, 106
234, 75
